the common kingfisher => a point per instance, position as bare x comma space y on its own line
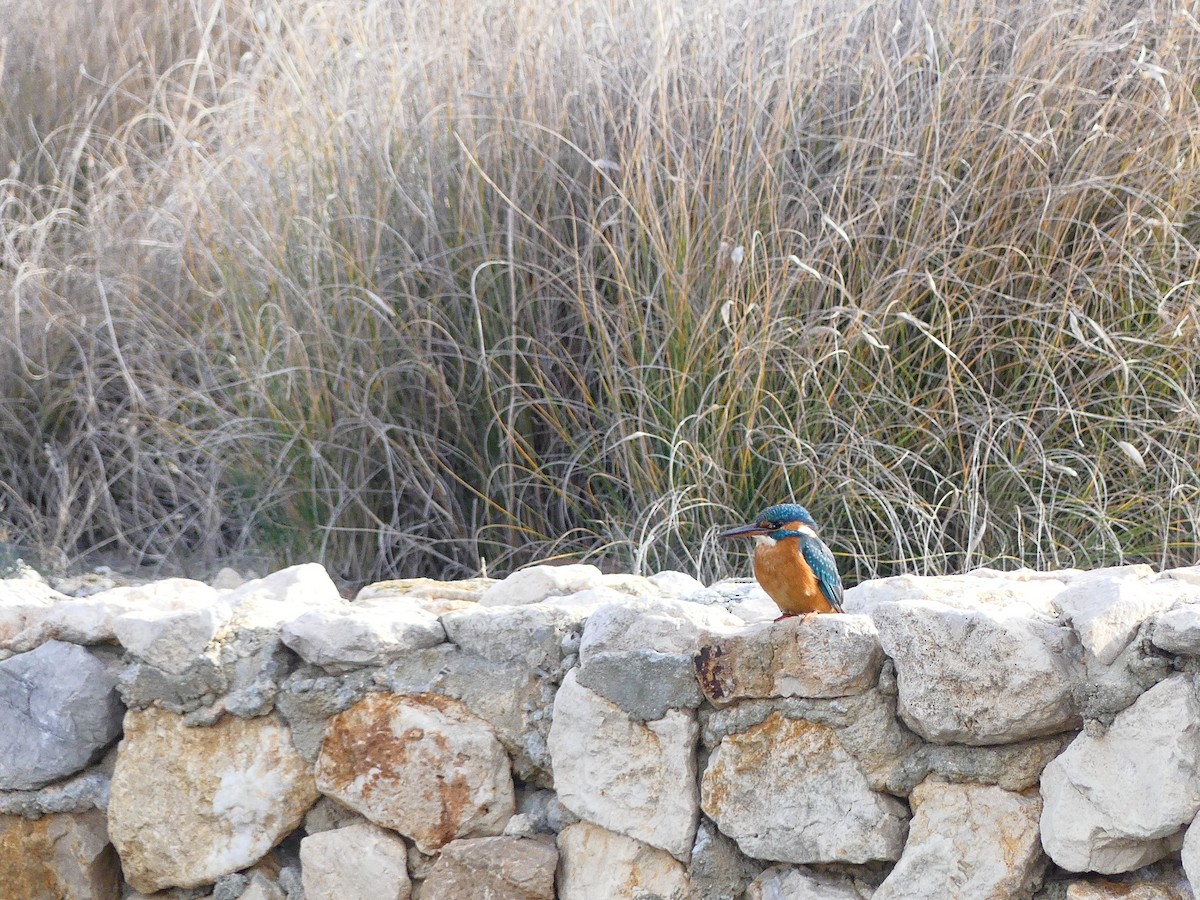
791, 563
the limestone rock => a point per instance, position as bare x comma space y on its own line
493, 868
786, 790
261, 888
637, 779
1190, 855
361, 860
1022, 593
1097, 889
24, 602
239, 672
783, 883
756, 608
85, 621
58, 857
421, 765
582, 604
226, 579
79, 793
631, 585
164, 594
529, 635
644, 683
58, 709
661, 624
888, 754
675, 584
268, 603
1094, 820
436, 597
980, 675
824, 656
1186, 574
1178, 630
340, 641
1106, 607
191, 804
536, 583
742, 598
512, 698
171, 640
968, 842
596, 864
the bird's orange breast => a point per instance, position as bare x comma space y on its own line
788, 579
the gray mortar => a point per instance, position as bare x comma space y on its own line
309, 697
718, 869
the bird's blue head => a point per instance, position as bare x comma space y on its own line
777, 522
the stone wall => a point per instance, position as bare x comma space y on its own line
564, 733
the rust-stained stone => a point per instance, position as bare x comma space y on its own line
786, 790
420, 764
189, 805
823, 656
57, 857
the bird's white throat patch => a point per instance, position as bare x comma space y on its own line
765, 540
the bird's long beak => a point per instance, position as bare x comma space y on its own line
744, 531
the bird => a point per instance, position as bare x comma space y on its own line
791, 563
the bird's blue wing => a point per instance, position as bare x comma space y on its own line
820, 558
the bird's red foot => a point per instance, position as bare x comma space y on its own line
804, 617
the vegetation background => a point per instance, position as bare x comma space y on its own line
414, 286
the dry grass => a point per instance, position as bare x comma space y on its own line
404, 286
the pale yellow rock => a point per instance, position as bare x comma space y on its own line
437, 597
786, 790
597, 864
635, 778
968, 842
779, 882
1112, 890
361, 860
421, 764
262, 888
493, 868
57, 857
189, 805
